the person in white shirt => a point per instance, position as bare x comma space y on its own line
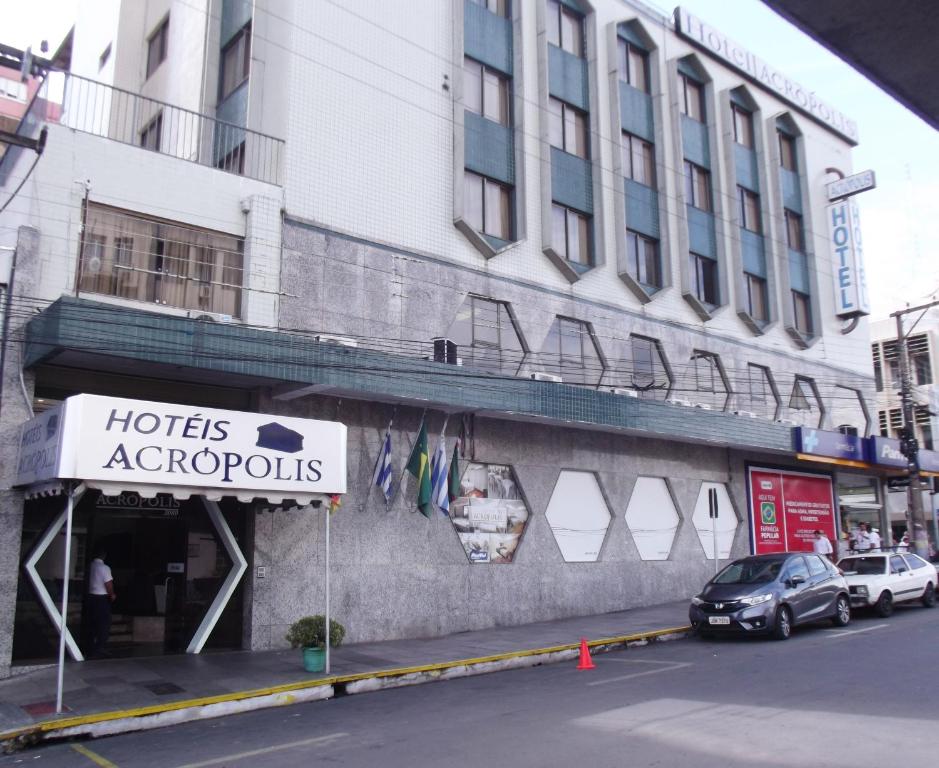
100, 596
822, 546
876, 542
862, 542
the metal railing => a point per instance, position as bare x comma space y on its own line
103, 110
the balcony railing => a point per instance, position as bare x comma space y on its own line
103, 110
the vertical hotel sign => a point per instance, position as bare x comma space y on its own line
844, 235
786, 508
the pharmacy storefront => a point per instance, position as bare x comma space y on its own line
163, 491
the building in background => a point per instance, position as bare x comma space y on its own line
588, 239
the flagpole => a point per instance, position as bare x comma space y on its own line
378, 460
329, 514
410, 448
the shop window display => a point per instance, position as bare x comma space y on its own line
490, 515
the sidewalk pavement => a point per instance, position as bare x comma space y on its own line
120, 695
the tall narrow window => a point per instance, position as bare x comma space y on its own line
485, 92
795, 237
633, 65
743, 126
787, 152
565, 28
567, 128
756, 298
152, 134
692, 98
488, 206
704, 277
638, 160
749, 209
157, 46
697, 186
802, 312
236, 61
498, 7
571, 234
643, 255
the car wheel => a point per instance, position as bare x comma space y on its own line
842, 615
783, 626
884, 604
929, 596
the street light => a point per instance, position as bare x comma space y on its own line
915, 515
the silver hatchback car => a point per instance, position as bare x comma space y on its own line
771, 594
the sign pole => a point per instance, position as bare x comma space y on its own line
328, 515
712, 511
64, 615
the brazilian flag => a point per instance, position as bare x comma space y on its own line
419, 466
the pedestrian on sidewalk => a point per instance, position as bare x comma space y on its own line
822, 546
98, 604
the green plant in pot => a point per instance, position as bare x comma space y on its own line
309, 634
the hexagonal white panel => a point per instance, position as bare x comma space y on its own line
652, 518
578, 516
726, 521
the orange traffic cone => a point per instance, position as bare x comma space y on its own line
585, 661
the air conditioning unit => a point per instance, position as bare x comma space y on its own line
624, 391
541, 376
444, 351
340, 341
750, 414
704, 406
679, 401
208, 317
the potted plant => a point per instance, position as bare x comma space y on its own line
309, 634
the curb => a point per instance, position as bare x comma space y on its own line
162, 715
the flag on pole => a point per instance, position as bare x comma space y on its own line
335, 501
438, 477
382, 475
453, 478
419, 466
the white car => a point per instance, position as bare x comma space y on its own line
880, 580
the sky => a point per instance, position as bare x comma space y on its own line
899, 219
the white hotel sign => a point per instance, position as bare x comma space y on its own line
135, 442
693, 29
844, 233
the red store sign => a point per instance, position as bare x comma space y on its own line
786, 508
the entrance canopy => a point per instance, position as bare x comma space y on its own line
115, 444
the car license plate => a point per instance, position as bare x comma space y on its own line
718, 619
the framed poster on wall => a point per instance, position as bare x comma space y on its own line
787, 507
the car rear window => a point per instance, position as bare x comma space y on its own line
863, 566
915, 561
816, 566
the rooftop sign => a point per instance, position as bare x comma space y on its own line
851, 185
706, 37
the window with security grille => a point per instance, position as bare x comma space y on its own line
486, 336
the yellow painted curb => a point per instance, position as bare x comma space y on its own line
155, 709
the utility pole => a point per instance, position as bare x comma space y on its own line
915, 514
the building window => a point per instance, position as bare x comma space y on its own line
152, 134
787, 152
803, 396
802, 312
569, 351
487, 206
236, 61
757, 383
878, 376
13, 89
498, 7
157, 45
565, 28
643, 255
144, 259
567, 128
633, 66
571, 232
707, 375
795, 237
486, 336
756, 298
743, 126
748, 204
638, 160
692, 98
485, 92
697, 186
920, 366
233, 161
104, 57
704, 279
